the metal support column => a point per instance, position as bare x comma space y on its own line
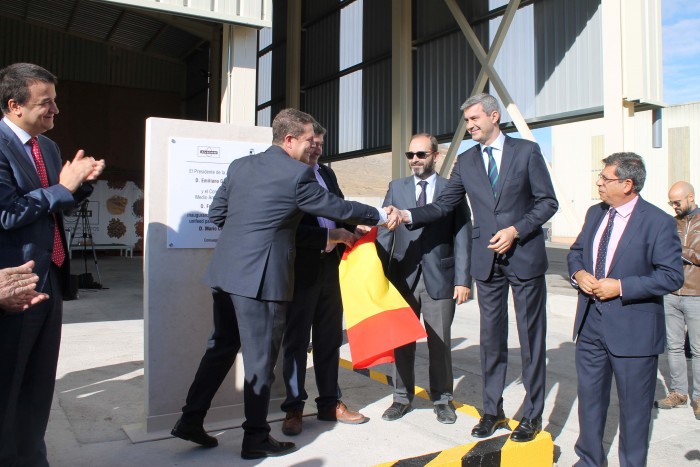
401, 85
293, 78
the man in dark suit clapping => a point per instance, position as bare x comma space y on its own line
35, 190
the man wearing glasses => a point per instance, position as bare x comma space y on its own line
626, 258
682, 307
430, 268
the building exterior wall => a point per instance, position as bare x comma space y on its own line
577, 150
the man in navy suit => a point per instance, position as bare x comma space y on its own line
626, 258
430, 268
259, 206
34, 192
317, 307
511, 196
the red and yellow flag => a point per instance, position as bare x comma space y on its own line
377, 317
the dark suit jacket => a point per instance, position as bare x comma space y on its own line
312, 238
441, 248
525, 200
648, 262
27, 226
259, 206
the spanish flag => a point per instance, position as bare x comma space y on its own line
377, 317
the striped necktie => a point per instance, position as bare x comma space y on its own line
492, 170
422, 196
603, 246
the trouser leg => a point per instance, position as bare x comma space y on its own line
675, 344
492, 296
222, 347
261, 326
328, 335
594, 380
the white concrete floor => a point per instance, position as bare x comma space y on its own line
99, 389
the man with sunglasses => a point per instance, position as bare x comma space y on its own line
430, 268
626, 258
682, 307
511, 195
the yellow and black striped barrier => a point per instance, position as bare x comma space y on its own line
498, 451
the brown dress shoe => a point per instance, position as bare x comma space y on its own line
292, 423
341, 414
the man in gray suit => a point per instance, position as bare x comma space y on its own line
430, 267
35, 189
511, 195
259, 206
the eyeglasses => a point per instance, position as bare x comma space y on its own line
418, 154
607, 180
676, 204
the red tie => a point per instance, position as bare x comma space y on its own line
58, 255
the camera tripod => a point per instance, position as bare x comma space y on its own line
85, 280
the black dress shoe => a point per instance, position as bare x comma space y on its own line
267, 448
396, 411
193, 433
527, 430
488, 424
445, 413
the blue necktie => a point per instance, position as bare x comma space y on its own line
422, 196
492, 170
603, 246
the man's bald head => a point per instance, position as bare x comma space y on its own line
681, 197
681, 188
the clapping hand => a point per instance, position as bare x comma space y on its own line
17, 288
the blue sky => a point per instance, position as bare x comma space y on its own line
681, 50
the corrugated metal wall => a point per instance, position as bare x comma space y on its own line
550, 62
445, 70
569, 49
74, 59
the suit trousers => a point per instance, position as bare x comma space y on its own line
635, 378
317, 309
29, 346
530, 300
437, 318
255, 327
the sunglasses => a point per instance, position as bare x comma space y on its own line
676, 204
419, 154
